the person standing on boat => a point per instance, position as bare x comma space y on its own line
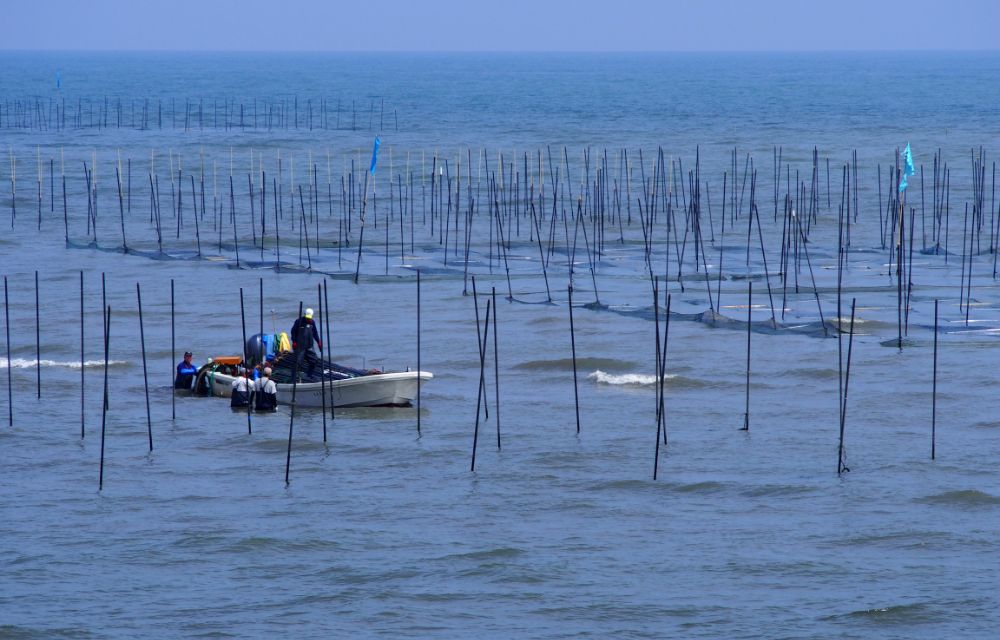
241, 390
266, 392
304, 336
186, 371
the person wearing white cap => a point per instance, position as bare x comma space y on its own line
304, 336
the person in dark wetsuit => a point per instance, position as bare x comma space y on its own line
266, 392
304, 335
242, 388
186, 371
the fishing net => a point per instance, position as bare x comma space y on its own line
313, 369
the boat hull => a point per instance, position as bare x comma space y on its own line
377, 390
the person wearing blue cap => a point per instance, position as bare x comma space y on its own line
186, 371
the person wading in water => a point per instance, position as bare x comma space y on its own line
266, 393
186, 371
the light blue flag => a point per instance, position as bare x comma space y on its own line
907, 167
378, 141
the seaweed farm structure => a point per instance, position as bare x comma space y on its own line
635, 234
478, 212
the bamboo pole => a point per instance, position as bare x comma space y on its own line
145, 375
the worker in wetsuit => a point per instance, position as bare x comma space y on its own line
266, 392
242, 387
186, 371
304, 336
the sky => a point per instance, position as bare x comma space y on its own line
500, 25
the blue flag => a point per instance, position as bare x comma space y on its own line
907, 167
378, 141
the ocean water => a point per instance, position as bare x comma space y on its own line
560, 532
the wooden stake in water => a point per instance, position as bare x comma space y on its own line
10, 393
39, 162
496, 365
291, 417
13, 188
104, 412
322, 364
746, 412
83, 393
662, 381
841, 463
934, 386
104, 317
572, 339
65, 210
145, 375
541, 254
364, 204
232, 215
173, 354
661, 417
655, 284
482, 379
482, 346
243, 322
418, 350
121, 208
197, 229
329, 342
38, 342
656, 351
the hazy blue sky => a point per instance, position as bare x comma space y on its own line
502, 25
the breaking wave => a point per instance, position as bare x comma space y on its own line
625, 379
24, 363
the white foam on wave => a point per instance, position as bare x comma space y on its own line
625, 379
24, 363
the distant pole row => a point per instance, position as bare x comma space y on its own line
58, 113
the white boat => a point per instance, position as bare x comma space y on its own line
343, 386
373, 390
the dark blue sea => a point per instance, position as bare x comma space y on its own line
532, 174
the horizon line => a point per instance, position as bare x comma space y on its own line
504, 51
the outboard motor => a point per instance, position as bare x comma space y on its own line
255, 351
258, 348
